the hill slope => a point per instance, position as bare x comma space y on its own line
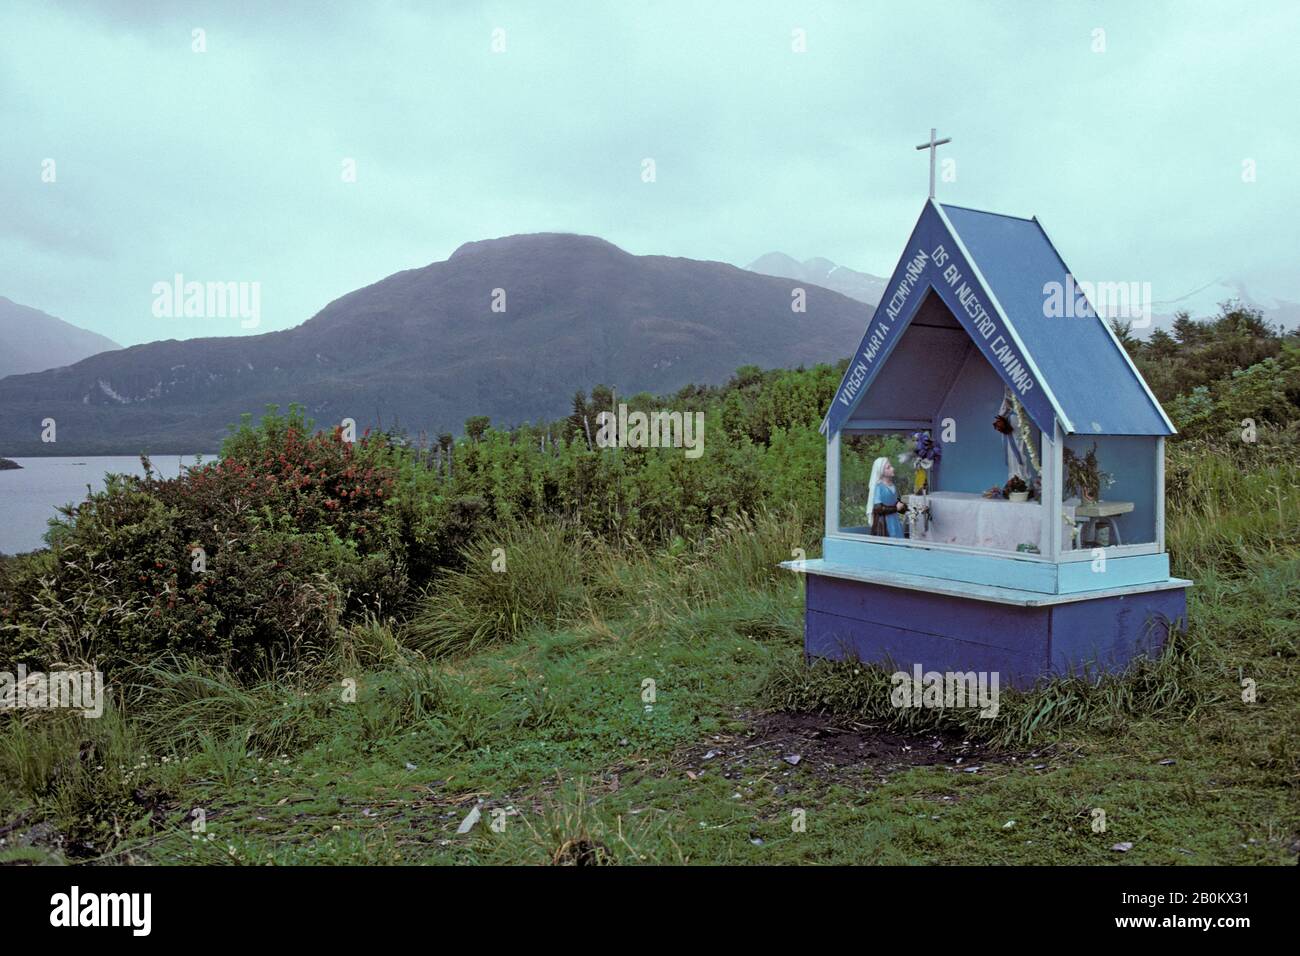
31, 340
424, 349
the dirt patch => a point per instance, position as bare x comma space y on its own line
91, 837
23, 833
837, 751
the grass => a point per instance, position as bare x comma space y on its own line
575, 700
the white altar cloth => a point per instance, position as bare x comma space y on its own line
973, 521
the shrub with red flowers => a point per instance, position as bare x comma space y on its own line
250, 559
282, 474
316, 479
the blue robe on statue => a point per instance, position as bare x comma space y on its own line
887, 495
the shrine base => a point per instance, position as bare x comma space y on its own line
906, 620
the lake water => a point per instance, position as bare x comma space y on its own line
30, 495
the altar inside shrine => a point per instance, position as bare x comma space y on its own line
973, 521
969, 520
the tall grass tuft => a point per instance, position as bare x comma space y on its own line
513, 581
731, 582
573, 830
745, 552
184, 704
547, 576
79, 772
1226, 506
369, 645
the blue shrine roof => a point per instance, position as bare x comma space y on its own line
993, 273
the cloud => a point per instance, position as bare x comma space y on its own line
227, 164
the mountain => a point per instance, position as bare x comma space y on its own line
423, 349
1205, 302
31, 341
856, 285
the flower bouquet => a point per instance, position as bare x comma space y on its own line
927, 452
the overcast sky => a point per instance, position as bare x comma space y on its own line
228, 164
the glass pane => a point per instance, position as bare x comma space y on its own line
1108, 491
858, 453
966, 499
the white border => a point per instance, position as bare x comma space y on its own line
941, 546
833, 484
1160, 492
1113, 551
986, 593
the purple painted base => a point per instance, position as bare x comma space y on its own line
901, 627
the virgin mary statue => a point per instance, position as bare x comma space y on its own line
1020, 458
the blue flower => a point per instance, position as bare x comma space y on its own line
926, 448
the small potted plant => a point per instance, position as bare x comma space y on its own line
1016, 489
1083, 475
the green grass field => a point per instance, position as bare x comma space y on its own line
603, 703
